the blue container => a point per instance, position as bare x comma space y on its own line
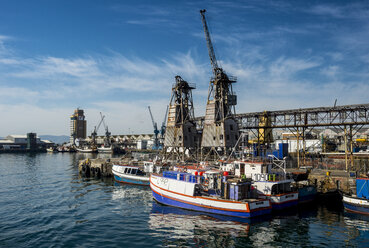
283, 150
255, 147
234, 192
362, 188
231, 191
276, 153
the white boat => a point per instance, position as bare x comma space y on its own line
273, 186
359, 202
86, 150
185, 190
105, 149
130, 174
51, 149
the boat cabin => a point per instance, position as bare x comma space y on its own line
149, 166
213, 179
131, 170
255, 170
273, 188
362, 187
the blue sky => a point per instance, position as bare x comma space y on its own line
118, 57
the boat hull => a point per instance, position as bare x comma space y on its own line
105, 150
86, 150
131, 180
121, 177
307, 194
283, 205
356, 205
283, 201
213, 206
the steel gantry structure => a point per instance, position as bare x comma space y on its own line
349, 118
348, 115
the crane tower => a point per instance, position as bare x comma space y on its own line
180, 134
220, 130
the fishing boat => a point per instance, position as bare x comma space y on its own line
130, 174
358, 203
111, 149
86, 150
51, 149
212, 194
104, 149
307, 193
274, 186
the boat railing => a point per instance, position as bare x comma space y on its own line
278, 163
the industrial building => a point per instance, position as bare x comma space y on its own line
78, 126
180, 134
24, 143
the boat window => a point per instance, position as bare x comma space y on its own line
275, 189
129, 171
281, 188
125, 170
134, 171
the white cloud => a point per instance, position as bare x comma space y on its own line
24, 118
330, 71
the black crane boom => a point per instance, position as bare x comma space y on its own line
213, 59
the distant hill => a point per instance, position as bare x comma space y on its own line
56, 139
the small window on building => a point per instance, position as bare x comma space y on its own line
213, 137
221, 137
189, 130
180, 137
227, 136
231, 127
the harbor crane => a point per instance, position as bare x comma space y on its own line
220, 132
163, 127
156, 131
107, 133
94, 133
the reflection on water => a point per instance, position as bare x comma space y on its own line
45, 202
305, 226
188, 228
129, 192
181, 223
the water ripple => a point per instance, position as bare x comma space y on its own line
45, 203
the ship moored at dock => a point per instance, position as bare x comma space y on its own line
130, 174
185, 190
268, 184
358, 203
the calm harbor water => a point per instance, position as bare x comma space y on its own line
45, 203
